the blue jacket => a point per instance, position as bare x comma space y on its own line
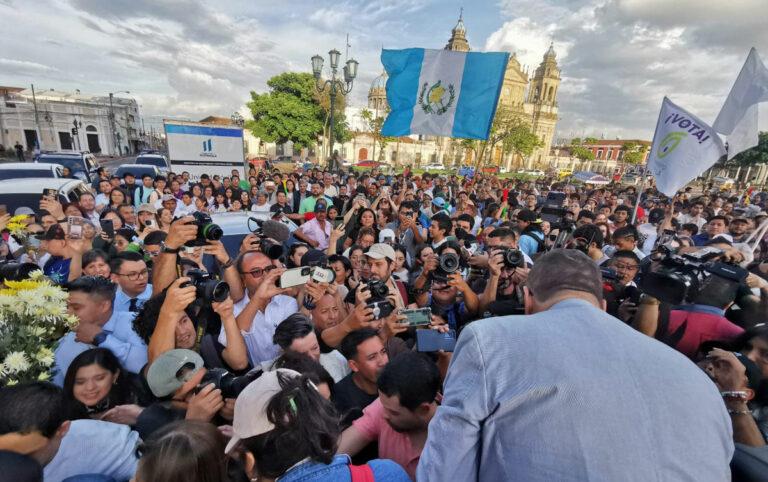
338, 471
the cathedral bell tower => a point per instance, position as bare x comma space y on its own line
545, 81
458, 41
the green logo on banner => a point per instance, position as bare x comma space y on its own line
670, 143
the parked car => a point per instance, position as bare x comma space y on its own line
368, 164
23, 170
15, 193
434, 167
158, 160
82, 164
137, 170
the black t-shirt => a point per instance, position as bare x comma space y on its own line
287, 209
350, 400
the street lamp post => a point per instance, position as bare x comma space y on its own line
115, 134
335, 84
76, 133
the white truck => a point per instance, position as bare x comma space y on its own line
205, 148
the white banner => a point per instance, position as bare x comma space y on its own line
203, 148
683, 147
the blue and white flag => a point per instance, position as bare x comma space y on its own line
683, 147
442, 92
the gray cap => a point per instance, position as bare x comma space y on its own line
163, 376
24, 210
381, 251
564, 269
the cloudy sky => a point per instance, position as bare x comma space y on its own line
197, 58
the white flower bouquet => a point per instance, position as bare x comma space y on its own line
33, 316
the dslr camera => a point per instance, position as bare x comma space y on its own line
678, 279
229, 384
513, 258
208, 288
378, 302
207, 230
447, 264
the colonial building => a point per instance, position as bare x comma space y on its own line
108, 125
532, 98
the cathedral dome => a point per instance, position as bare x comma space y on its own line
380, 82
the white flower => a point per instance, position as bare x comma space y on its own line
44, 376
16, 362
3, 371
45, 356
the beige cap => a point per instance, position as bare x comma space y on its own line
164, 377
147, 208
381, 251
250, 417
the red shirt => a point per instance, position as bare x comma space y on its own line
700, 327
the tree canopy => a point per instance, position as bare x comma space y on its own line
757, 154
582, 153
634, 153
374, 125
292, 110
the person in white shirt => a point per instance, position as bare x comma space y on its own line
262, 308
102, 198
694, 215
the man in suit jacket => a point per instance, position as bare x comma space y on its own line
569, 393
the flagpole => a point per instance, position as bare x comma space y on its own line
640, 194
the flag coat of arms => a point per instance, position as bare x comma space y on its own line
683, 147
442, 92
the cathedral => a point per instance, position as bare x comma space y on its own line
533, 98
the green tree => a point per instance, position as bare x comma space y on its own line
634, 153
756, 155
591, 140
293, 110
509, 131
374, 125
576, 141
582, 153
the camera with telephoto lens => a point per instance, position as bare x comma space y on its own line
447, 264
207, 230
378, 301
229, 384
678, 278
208, 288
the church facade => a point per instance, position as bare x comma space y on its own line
531, 97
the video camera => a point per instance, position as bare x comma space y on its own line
678, 279
378, 302
615, 293
268, 246
208, 288
207, 230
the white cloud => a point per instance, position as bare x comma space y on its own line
25, 66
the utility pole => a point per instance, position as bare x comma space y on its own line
37, 120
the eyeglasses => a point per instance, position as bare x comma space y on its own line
625, 266
135, 276
256, 272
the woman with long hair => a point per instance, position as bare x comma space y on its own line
245, 200
164, 218
116, 198
209, 195
229, 194
97, 387
400, 266
292, 433
366, 218
220, 204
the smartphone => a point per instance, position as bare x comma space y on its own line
294, 277
75, 225
3, 209
51, 193
339, 221
108, 227
433, 340
418, 316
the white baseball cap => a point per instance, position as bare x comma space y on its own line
381, 251
250, 417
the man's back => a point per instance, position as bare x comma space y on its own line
574, 394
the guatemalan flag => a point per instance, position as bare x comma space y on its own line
442, 92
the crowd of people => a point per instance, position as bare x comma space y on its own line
345, 337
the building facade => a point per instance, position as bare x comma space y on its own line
69, 122
531, 98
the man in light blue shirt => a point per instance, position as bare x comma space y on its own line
130, 272
33, 422
90, 299
569, 393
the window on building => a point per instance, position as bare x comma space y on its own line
65, 140
620, 156
609, 155
599, 154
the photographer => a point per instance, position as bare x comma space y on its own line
407, 230
589, 240
173, 320
531, 236
507, 272
165, 265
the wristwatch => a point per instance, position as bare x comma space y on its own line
229, 263
100, 338
166, 249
